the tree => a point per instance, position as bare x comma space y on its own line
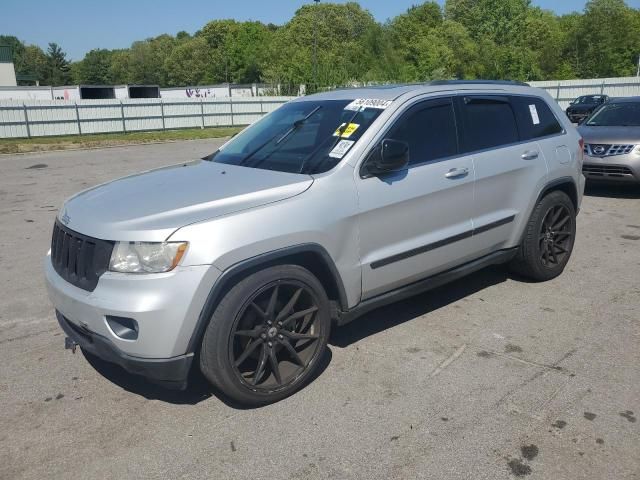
58, 67
342, 34
409, 33
501, 39
606, 40
190, 63
94, 69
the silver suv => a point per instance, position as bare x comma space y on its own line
612, 142
330, 206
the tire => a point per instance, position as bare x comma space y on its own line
547, 242
259, 346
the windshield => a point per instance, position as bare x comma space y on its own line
300, 137
589, 99
617, 115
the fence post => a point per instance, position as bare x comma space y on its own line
558, 93
124, 125
231, 108
602, 88
261, 107
26, 120
202, 113
78, 119
162, 113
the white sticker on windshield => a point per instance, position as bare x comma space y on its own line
341, 149
359, 103
534, 114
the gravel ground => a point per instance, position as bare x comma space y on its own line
485, 378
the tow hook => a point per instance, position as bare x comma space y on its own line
69, 344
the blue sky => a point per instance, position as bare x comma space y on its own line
116, 23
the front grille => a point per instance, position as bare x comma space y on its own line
606, 170
607, 150
79, 259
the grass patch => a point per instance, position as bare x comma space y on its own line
45, 144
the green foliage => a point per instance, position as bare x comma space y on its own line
493, 39
58, 68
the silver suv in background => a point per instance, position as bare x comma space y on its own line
612, 142
330, 206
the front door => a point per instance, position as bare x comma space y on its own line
417, 222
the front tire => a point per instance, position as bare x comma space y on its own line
548, 239
267, 335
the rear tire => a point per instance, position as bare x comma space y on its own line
267, 335
548, 239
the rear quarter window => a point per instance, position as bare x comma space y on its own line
535, 118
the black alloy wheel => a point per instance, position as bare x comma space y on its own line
267, 335
556, 236
548, 238
275, 336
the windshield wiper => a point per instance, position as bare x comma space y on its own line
297, 124
341, 130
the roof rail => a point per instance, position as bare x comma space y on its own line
479, 82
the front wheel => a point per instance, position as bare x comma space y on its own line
548, 239
267, 335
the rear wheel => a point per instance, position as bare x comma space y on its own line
267, 335
548, 239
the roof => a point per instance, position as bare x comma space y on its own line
625, 100
394, 91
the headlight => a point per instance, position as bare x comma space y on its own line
142, 257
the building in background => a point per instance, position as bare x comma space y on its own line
7, 70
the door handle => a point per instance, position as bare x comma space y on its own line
532, 155
457, 172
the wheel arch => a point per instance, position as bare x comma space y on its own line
311, 256
563, 184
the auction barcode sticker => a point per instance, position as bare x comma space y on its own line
359, 103
534, 114
341, 149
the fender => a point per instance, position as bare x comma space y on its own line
573, 195
244, 267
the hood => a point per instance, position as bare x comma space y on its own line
610, 135
150, 206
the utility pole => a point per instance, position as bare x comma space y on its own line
315, 45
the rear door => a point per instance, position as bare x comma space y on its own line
508, 167
417, 222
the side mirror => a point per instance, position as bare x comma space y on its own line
391, 156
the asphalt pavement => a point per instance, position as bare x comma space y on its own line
489, 377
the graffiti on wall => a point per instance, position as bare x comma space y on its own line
198, 92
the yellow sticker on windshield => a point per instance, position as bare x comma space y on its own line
345, 131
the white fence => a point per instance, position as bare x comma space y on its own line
45, 118
566, 90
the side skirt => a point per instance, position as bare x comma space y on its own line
429, 283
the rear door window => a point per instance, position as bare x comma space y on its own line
535, 118
489, 122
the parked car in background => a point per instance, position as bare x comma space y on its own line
582, 107
612, 142
328, 207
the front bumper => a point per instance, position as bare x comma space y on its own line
170, 373
165, 307
616, 168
